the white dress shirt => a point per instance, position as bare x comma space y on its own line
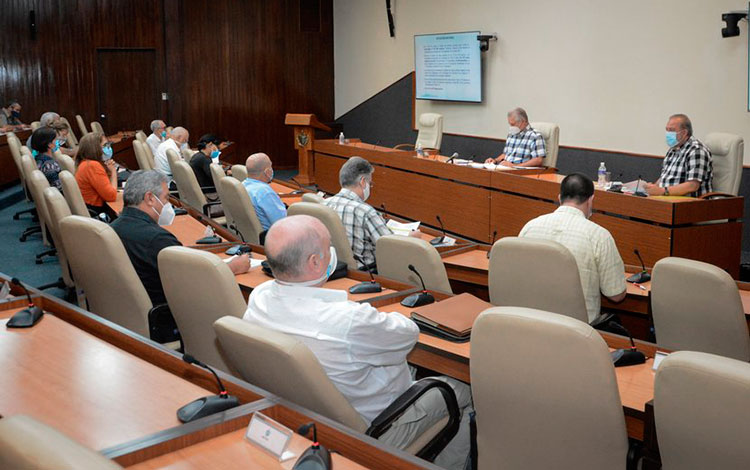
362, 350
153, 141
160, 157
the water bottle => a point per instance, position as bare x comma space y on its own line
420, 150
342, 140
602, 175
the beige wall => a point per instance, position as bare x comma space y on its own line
609, 72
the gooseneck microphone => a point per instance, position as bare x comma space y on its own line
420, 298
27, 317
643, 276
365, 287
639, 192
440, 239
315, 457
453, 157
494, 236
625, 357
207, 405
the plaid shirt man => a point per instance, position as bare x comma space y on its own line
524, 146
363, 224
690, 161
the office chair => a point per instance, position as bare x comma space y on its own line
239, 172
236, 201
429, 132
57, 210
38, 183
394, 253
72, 194
551, 135
140, 155
97, 127
81, 125
727, 152
335, 227
191, 192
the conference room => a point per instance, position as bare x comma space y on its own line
357, 234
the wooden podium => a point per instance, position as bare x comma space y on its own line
304, 137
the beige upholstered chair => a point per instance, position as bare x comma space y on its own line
312, 197
727, 152
81, 125
37, 184
702, 411
97, 127
57, 210
14, 145
551, 134
331, 220
187, 153
394, 254
35, 125
141, 137
149, 155
533, 273
239, 172
237, 203
190, 191
429, 132
697, 307
72, 194
566, 413
140, 155
72, 139
200, 289
217, 173
172, 158
26, 443
112, 287
65, 162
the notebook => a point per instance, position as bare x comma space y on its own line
451, 318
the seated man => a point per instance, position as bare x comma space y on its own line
158, 135
687, 170
10, 117
147, 207
200, 162
45, 121
177, 140
364, 226
599, 263
524, 146
268, 205
363, 351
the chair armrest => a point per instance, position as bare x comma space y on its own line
207, 207
161, 325
716, 195
385, 419
400, 146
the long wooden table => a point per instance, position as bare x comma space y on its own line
484, 205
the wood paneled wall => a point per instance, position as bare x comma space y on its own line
233, 67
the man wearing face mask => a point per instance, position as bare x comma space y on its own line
363, 351
599, 263
10, 116
268, 205
158, 134
177, 140
147, 208
687, 170
364, 226
524, 145
208, 152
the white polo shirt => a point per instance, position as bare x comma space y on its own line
362, 350
153, 141
599, 263
160, 157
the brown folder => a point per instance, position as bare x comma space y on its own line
454, 316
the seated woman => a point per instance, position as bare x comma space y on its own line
63, 131
208, 152
43, 145
96, 174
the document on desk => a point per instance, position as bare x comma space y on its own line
400, 228
254, 263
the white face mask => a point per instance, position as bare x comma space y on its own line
366, 191
166, 216
514, 130
323, 278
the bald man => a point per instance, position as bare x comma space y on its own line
268, 205
177, 140
363, 351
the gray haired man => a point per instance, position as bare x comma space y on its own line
524, 146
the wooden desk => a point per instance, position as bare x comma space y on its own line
8, 171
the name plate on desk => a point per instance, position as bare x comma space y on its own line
269, 435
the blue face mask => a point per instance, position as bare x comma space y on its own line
163, 134
671, 138
57, 146
60, 142
107, 151
215, 154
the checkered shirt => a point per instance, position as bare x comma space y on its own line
363, 224
524, 146
689, 162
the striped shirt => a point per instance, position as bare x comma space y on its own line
524, 146
690, 161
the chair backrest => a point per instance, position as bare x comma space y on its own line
140, 155
72, 139
727, 152
73, 195
187, 153
515, 261
284, 366
35, 125
97, 127
394, 254
149, 155
28, 443
566, 411
28, 165
217, 173
187, 184
430, 130
172, 158
239, 172
551, 135
81, 125
113, 289
37, 184
335, 227
14, 145
65, 161
141, 137
236, 201
702, 411
57, 210
696, 306
198, 300
312, 197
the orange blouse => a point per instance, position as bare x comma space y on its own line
94, 183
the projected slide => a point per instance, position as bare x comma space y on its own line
448, 67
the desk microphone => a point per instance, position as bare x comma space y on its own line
625, 357
642, 276
375, 145
420, 298
637, 191
616, 188
315, 457
27, 317
365, 287
207, 405
454, 156
301, 189
494, 236
440, 239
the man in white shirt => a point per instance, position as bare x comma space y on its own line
362, 350
177, 141
158, 135
599, 263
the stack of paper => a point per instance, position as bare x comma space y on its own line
400, 228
